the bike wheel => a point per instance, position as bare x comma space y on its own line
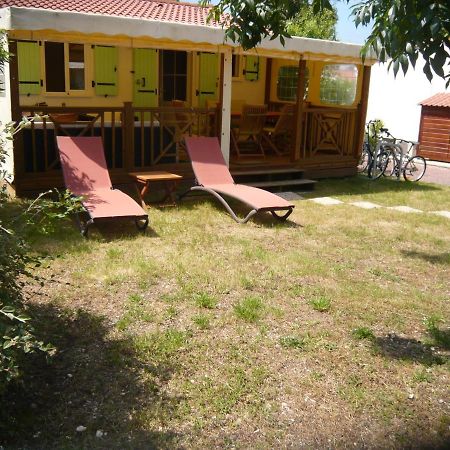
414, 169
377, 169
390, 164
364, 161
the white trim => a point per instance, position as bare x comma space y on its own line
226, 105
33, 19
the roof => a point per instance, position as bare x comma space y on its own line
442, 99
185, 23
161, 10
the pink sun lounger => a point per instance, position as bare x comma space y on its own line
212, 175
86, 175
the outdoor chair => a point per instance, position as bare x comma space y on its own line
86, 175
279, 136
246, 138
212, 176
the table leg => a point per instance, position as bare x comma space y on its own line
142, 193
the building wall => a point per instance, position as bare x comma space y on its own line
252, 92
396, 100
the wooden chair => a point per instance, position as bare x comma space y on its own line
246, 139
279, 137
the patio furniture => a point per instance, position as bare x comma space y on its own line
169, 180
86, 175
278, 137
246, 138
212, 176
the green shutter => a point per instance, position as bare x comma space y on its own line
208, 77
145, 78
105, 70
252, 68
29, 67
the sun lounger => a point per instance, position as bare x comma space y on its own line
86, 175
212, 175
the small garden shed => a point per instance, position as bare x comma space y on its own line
434, 134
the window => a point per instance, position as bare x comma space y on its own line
287, 83
60, 56
236, 66
174, 75
338, 84
76, 67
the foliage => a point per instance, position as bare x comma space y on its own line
373, 132
318, 26
16, 262
402, 30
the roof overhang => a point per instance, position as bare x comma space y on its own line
33, 19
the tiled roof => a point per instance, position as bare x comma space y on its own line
164, 10
441, 99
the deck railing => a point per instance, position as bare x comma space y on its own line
133, 138
328, 132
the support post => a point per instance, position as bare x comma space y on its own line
128, 131
16, 115
362, 112
226, 105
299, 110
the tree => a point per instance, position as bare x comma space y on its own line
310, 25
401, 29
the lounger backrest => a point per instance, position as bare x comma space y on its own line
83, 163
207, 161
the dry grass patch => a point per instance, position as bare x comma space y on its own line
328, 331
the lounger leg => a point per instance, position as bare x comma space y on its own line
226, 205
141, 227
85, 227
282, 217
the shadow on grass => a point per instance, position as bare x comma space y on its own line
94, 381
262, 218
439, 258
397, 347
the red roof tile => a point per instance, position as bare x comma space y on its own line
160, 10
441, 99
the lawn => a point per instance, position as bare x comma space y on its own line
330, 330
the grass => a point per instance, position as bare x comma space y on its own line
204, 333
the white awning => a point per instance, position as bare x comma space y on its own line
33, 19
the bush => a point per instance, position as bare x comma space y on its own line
17, 340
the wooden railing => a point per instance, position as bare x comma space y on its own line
328, 131
133, 138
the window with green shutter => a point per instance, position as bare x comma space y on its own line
105, 72
29, 67
252, 68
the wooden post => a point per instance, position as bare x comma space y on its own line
295, 156
16, 115
226, 105
268, 81
362, 112
128, 138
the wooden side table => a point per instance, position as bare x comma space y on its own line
169, 181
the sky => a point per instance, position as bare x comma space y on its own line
346, 30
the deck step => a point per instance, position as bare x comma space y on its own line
279, 183
268, 172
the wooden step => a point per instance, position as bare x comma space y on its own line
275, 183
267, 172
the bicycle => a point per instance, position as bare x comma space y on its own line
397, 162
366, 157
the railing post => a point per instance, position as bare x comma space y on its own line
361, 113
298, 114
128, 135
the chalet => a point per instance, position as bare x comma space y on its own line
143, 73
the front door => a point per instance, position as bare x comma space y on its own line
145, 85
208, 77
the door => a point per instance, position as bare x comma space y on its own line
208, 77
145, 77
